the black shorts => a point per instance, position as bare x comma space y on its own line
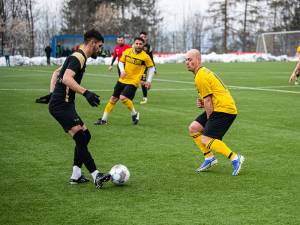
66, 115
217, 124
128, 90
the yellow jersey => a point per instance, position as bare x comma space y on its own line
135, 65
207, 83
298, 49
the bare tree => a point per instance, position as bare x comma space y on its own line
220, 19
30, 24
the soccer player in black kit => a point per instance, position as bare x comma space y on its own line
148, 49
62, 106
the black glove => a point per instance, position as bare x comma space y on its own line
44, 99
92, 98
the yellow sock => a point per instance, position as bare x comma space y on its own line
220, 147
109, 106
197, 139
129, 104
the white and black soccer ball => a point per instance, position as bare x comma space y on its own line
119, 174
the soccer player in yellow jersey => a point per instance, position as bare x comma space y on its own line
132, 66
296, 72
208, 129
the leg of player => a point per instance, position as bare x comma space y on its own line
129, 104
220, 147
80, 138
108, 109
296, 79
195, 130
77, 177
144, 89
145, 94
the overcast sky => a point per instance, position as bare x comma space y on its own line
172, 10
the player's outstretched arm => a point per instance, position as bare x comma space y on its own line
295, 72
112, 63
208, 105
54, 79
122, 69
45, 99
69, 81
150, 75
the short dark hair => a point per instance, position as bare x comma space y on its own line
120, 36
138, 38
143, 32
93, 34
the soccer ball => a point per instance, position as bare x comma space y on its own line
119, 174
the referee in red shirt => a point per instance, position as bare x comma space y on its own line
118, 51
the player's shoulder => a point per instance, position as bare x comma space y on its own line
127, 50
203, 74
298, 49
80, 57
205, 71
144, 54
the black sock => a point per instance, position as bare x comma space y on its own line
83, 154
87, 136
77, 161
145, 91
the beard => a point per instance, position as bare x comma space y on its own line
94, 56
138, 50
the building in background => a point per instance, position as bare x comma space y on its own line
64, 45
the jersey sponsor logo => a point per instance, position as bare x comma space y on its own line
134, 61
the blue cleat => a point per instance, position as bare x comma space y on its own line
207, 164
237, 165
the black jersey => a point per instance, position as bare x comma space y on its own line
148, 49
62, 93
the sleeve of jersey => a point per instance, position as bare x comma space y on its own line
74, 64
148, 61
203, 87
114, 54
122, 59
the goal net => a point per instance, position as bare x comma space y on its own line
278, 43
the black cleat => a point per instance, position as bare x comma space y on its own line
100, 179
82, 179
100, 122
135, 118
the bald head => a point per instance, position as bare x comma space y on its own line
193, 60
194, 53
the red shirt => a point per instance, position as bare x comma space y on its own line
118, 51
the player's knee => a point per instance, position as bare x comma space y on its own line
113, 99
80, 138
205, 140
195, 127
123, 98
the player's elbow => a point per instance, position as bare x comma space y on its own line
65, 80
